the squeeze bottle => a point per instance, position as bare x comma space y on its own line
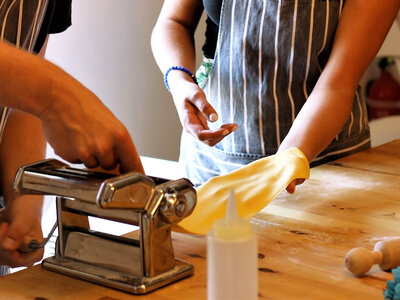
232, 261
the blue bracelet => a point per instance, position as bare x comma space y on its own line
179, 68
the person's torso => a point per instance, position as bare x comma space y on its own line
269, 56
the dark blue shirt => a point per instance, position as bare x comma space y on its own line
56, 19
213, 10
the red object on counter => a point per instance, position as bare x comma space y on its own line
384, 94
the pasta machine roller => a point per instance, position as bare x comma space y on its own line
136, 265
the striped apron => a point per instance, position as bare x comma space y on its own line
270, 54
20, 23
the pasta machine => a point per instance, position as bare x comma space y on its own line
135, 265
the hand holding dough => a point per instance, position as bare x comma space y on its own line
255, 185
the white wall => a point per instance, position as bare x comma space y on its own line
108, 49
391, 46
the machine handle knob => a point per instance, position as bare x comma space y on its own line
173, 208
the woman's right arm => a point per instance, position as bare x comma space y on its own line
173, 45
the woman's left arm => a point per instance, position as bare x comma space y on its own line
362, 29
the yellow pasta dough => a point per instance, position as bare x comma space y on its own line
255, 185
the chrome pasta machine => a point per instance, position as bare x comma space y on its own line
136, 265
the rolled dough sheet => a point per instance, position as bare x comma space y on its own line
255, 185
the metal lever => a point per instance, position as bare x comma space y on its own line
31, 245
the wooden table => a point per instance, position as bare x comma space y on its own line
303, 239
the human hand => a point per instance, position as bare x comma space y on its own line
194, 112
291, 188
20, 222
81, 129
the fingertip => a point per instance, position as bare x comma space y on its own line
132, 166
137, 164
291, 188
231, 127
139, 168
128, 158
289, 191
225, 132
213, 117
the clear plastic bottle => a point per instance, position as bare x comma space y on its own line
232, 262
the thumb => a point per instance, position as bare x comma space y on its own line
12, 237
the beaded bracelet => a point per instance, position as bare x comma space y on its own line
179, 68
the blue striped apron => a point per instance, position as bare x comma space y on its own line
20, 23
270, 54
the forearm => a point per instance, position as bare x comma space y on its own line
319, 121
172, 44
22, 143
31, 83
172, 39
356, 43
